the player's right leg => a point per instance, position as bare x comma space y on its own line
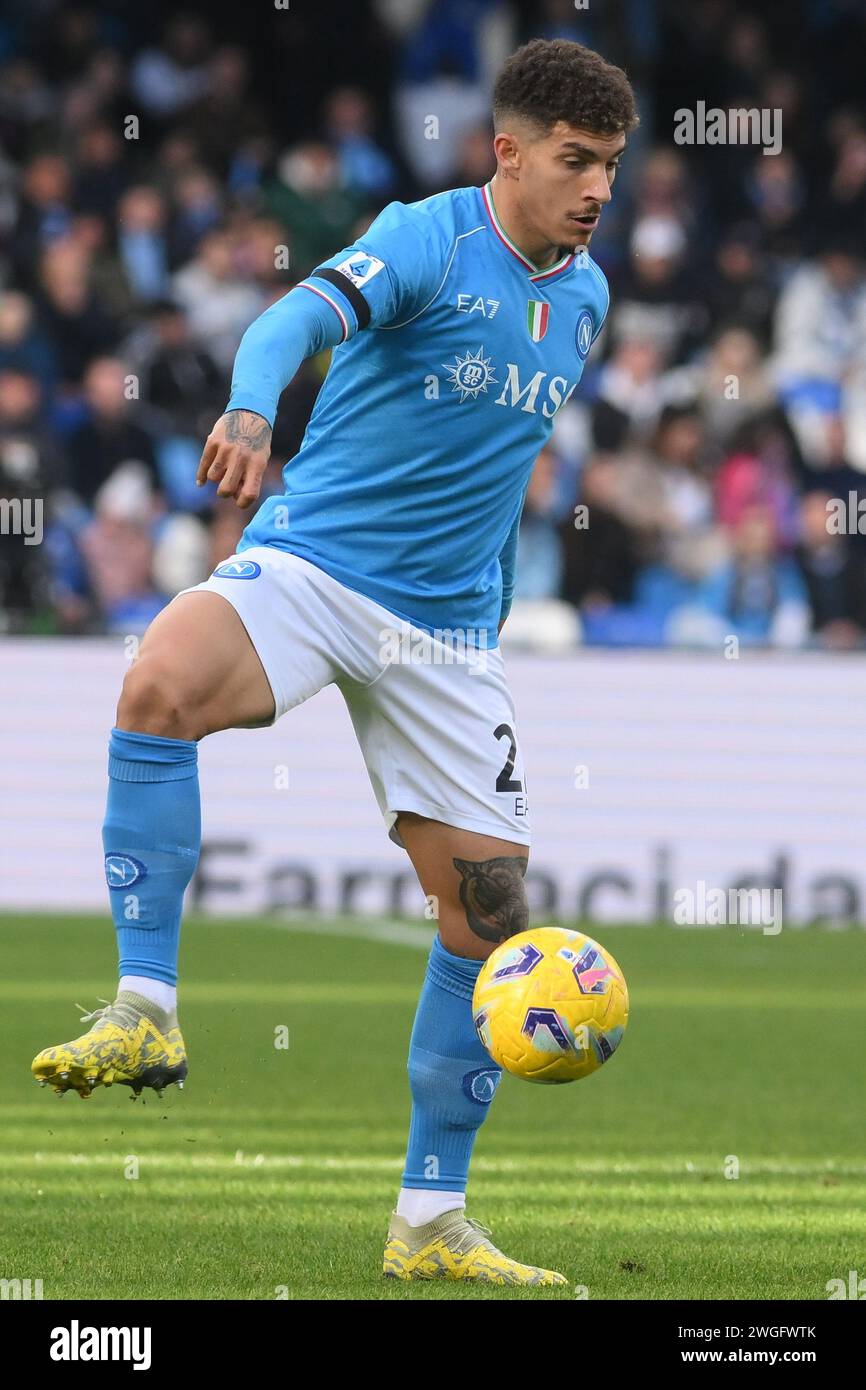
197, 672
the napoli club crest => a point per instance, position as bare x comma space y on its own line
583, 334
238, 569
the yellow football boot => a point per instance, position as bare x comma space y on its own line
453, 1246
132, 1042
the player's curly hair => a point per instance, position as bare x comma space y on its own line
550, 80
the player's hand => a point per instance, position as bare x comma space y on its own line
236, 455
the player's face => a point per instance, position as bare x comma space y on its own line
566, 180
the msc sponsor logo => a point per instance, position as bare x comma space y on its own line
557, 392
471, 374
122, 870
238, 569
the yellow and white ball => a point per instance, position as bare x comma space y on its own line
550, 1005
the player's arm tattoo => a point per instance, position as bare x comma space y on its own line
493, 894
246, 428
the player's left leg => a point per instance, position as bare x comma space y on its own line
475, 885
474, 882
437, 729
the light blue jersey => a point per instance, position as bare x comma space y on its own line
455, 353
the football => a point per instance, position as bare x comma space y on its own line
550, 1005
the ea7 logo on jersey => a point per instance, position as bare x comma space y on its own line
477, 304
360, 268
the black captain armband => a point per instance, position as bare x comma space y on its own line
348, 290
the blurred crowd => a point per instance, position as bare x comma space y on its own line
166, 175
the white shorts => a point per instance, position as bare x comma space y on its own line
434, 718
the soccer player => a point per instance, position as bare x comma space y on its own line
460, 326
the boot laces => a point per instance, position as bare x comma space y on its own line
485, 1230
96, 1013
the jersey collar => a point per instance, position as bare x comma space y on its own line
536, 274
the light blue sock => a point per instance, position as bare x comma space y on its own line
152, 840
452, 1076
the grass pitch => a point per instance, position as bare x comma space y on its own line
273, 1173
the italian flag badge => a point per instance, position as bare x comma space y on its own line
537, 319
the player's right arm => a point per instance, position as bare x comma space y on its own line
235, 455
386, 278
238, 447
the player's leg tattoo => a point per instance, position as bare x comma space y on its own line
494, 897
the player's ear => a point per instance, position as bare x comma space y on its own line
507, 153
